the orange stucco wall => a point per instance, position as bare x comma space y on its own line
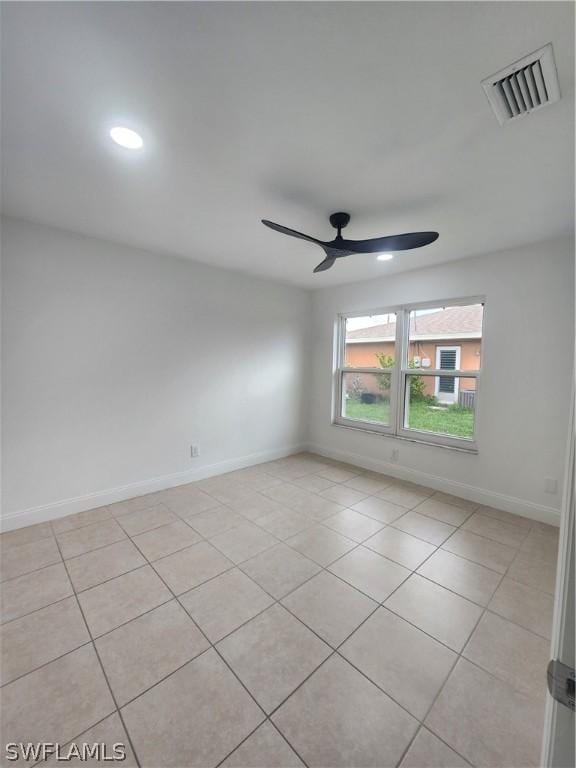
364, 356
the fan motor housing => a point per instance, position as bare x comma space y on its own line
339, 220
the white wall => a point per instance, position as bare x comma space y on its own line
116, 360
525, 388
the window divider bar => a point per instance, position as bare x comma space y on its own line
402, 333
417, 371
366, 370
340, 358
457, 373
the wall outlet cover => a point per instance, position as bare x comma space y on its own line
551, 485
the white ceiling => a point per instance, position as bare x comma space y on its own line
286, 111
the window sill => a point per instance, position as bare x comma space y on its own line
473, 450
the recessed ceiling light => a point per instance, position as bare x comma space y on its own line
126, 137
385, 256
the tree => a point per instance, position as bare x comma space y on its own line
417, 383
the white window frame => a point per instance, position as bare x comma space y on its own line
399, 390
370, 426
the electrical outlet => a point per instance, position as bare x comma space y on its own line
395, 454
551, 485
194, 451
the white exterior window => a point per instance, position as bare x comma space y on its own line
411, 371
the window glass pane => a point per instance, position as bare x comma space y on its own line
370, 341
443, 405
366, 397
446, 337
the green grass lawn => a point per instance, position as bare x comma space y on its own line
447, 421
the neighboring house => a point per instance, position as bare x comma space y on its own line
449, 338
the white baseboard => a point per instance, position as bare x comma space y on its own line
101, 498
65, 507
512, 504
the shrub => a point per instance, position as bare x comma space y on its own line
385, 361
357, 388
417, 383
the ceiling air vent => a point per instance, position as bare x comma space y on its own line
523, 87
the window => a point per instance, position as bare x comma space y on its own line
370, 344
431, 395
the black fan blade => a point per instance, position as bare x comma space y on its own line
324, 265
391, 243
291, 232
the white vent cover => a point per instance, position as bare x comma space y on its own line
523, 87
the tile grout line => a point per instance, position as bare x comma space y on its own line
379, 603
391, 524
95, 725
357, 544
45, 664
95, 549
456, 660
213, 647
406, 510
113, 697
363, 543
460, 656
441, 688
285, 542
322, 568
35, 570
148, 564
382, 605
288, 509
334, 650
36, 610
82, 525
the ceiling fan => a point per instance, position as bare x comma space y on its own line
339, 247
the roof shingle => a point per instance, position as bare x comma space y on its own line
450, 321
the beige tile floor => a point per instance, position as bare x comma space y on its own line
300, 612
